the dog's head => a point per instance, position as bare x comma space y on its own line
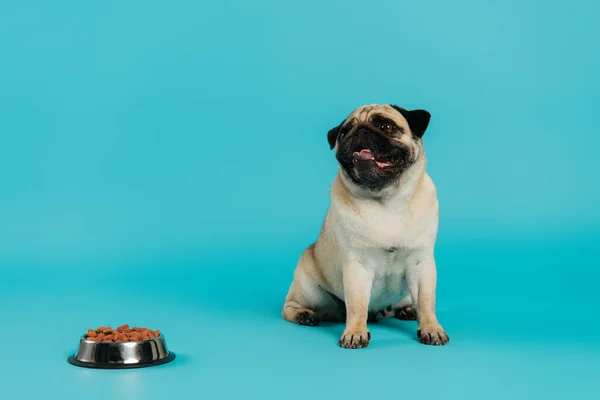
376, 144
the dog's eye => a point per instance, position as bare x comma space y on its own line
343, 132
387, 128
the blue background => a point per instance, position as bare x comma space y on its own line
165, 163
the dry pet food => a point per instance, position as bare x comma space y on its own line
121, 334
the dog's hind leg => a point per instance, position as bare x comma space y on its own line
307, 303
403, 310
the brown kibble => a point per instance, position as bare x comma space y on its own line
122, 334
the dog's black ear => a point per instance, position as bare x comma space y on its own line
418, 120
332, 136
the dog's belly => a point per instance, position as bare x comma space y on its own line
387, 290
389, 279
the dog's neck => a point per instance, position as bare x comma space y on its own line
401, 191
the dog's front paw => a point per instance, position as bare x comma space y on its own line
432, 334
355, 338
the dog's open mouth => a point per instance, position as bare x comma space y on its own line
368, 155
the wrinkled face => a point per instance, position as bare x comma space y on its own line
377, 143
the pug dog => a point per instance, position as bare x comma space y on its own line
374, 257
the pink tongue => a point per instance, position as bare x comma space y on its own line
364, 155
367, 155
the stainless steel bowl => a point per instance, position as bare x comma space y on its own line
143, 353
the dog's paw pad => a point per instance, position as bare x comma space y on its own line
407, 313
309, 318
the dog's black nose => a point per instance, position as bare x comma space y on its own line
362, 132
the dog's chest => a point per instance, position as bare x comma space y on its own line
382, 228
387, 263
388, 243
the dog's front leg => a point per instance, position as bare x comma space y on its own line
422, 280
357, 293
